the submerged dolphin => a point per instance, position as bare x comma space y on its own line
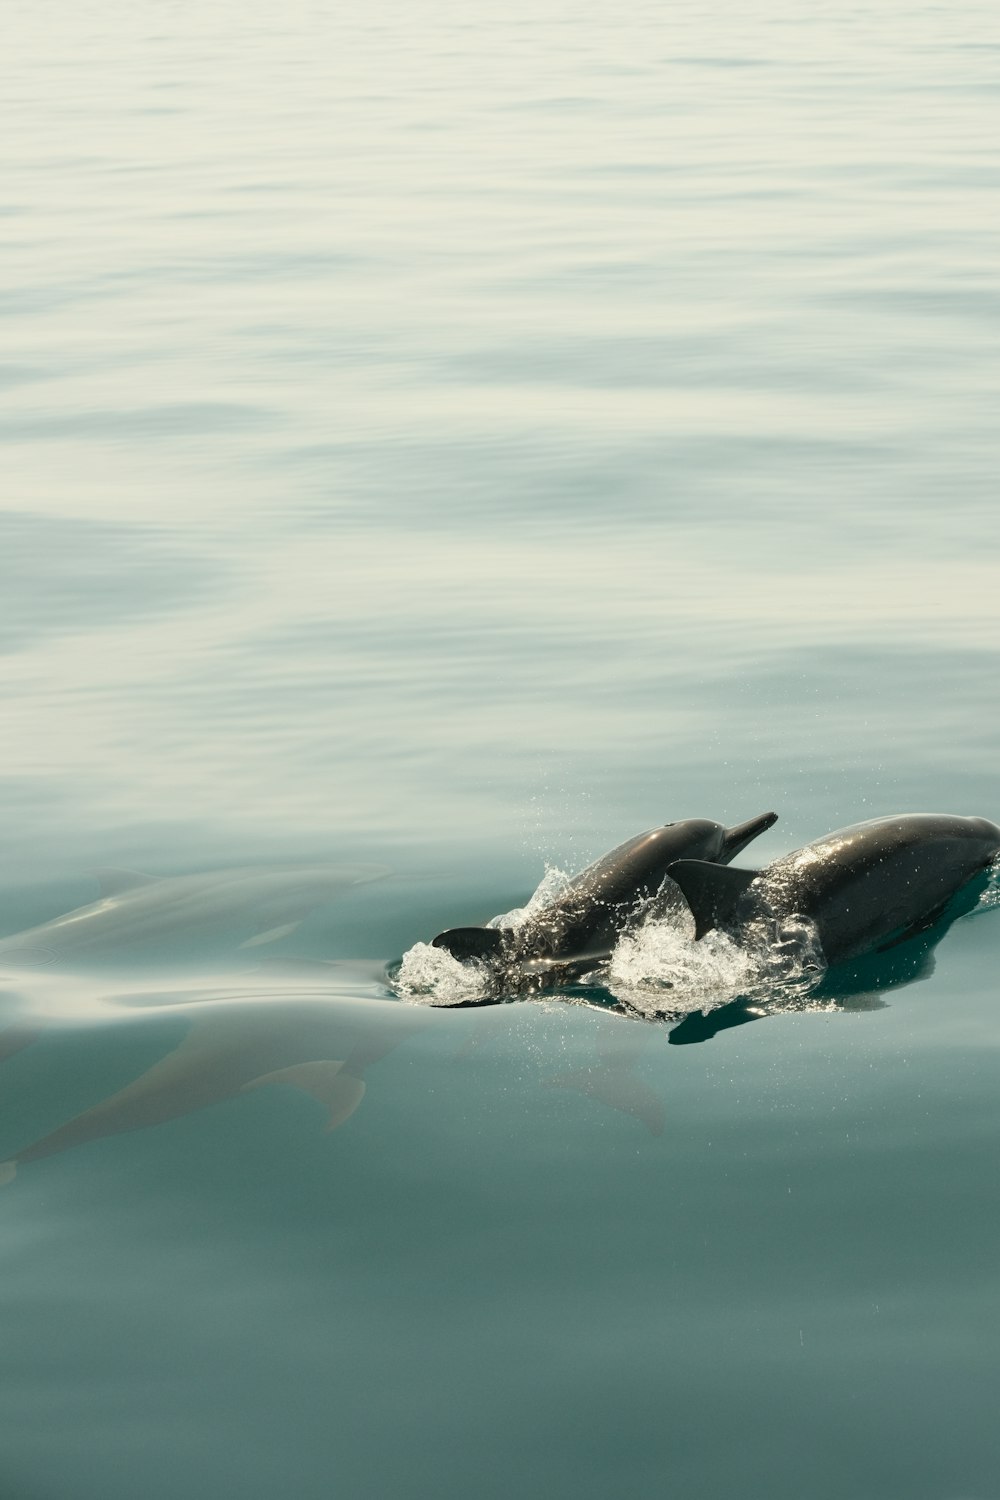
318, 1044
582, 926
866, 888
141, 911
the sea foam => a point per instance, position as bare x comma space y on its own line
657, 968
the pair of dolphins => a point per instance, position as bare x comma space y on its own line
865, 889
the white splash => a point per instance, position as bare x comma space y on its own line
659, 969
433, 977
553, 884
430, 975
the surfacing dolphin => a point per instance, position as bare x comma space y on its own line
866, 888
248, 907
582, 926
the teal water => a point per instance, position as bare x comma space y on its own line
437, 443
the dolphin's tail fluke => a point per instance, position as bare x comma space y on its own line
744, 833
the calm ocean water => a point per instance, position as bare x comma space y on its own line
438, 442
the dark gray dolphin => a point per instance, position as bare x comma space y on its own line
866, 888
583, 925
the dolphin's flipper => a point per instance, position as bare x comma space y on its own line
341, 1092
464, 943
713, 892
701, 1026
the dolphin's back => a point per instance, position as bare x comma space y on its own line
866, 887
879, 882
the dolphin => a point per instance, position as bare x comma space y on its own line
866, 888
321, 1046
581, 927
135, 911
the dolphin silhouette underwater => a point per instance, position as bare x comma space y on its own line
301, 1035
582, 926
867, 888
248, 907
321, 1045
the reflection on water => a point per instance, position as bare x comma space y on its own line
513, 424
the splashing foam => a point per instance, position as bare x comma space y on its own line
657, 968
433, 977
553, 884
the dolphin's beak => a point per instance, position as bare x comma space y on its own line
738, 838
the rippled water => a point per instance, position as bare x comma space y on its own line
437, 443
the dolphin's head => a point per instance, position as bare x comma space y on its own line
697, 838
985, 831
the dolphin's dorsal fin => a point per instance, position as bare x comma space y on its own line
713, 892
464, 943
114, 881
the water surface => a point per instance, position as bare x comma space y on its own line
451, 440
